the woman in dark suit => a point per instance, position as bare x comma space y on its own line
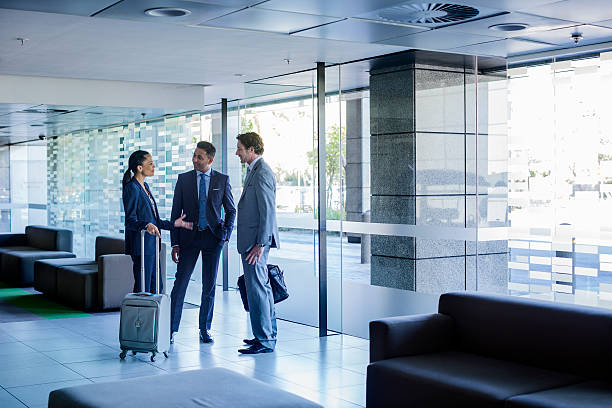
141, 213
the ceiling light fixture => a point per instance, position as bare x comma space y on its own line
576, 37
509, 27
22, 39
167, 12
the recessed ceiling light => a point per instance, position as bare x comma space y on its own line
509, 27
167, 12
238, 75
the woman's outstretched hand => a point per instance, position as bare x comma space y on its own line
152, 229
181, 223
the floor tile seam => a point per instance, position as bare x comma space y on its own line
17, 398
45, 383
225, 359
355, 371
261, 371
83, 361
303, 354
324, 389
340, 349
42, 383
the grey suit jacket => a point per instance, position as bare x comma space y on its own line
257, 209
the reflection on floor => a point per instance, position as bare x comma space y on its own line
39, 356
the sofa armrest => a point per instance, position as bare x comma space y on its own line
115, 279
9, 239
409, 335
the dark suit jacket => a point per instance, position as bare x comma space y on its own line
186, 202
138, 214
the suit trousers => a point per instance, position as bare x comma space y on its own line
210, 247
261, 299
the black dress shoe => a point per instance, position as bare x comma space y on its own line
250, 342
256, 349
205, 337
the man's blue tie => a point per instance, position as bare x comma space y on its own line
202, 223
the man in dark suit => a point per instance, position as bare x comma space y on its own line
200, 194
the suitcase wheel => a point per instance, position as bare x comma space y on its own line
153, 356
123, 354
134, 352
166, 354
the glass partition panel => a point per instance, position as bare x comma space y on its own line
335, 166
281, 110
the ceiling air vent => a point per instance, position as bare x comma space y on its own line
428, 13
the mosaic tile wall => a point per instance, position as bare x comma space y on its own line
85, 169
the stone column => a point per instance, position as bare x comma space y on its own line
423, 171
357, 164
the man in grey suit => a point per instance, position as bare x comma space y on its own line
257, 233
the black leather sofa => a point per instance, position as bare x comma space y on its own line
492, 351
90, 284
18, 252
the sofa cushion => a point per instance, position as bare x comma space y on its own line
454, 379
77, 285
49, 238
18, 266
532, 332
109, 245
12, 239
45, 273
4, 250
590, 394
213, 387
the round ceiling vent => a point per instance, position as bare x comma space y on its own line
428, 13
509, 27
167, 12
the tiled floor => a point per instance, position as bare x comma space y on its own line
42, 355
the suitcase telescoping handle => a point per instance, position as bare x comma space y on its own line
142, 264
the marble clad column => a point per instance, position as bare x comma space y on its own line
357, 163
423, 172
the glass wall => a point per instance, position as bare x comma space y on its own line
85, 168
23, 186
287, 127
561, 173
415, 193
442, 173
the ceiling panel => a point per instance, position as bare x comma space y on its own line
441, 39
135, 10
269, 20
408, 11
359, 31
20, 122
507, 5
536, 23
76, 7
606, 23
230, 3
502, 48
581, 11
591, 35
335, 8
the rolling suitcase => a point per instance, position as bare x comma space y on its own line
145, 317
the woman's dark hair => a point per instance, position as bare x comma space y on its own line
136, 159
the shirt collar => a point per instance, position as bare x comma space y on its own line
253, 163
199, 173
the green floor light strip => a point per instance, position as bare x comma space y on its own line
37, 304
